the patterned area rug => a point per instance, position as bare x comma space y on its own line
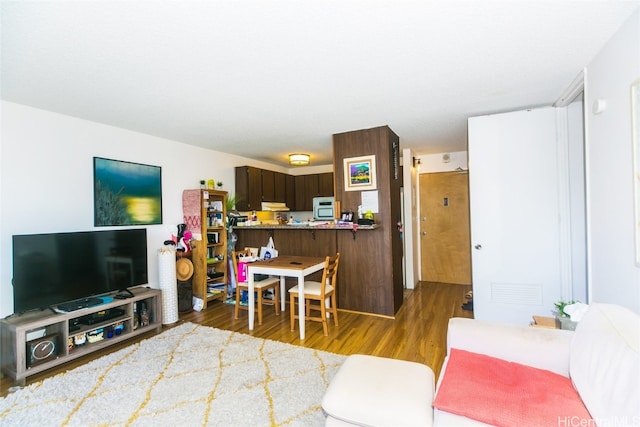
188, 375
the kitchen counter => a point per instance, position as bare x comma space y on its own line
320, 225
361, 283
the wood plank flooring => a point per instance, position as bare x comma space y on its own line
418, 333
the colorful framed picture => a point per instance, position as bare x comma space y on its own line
126, 193
360, 173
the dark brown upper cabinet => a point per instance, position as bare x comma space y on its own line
248, 188
290, 191
254, 186
268, 186
325, 184
280, 192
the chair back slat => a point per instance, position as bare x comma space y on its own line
330, 272
235, 255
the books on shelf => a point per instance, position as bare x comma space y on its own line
215, 289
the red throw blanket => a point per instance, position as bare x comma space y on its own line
502, 393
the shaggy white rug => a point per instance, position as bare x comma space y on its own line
189, 375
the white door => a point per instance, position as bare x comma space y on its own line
514, 191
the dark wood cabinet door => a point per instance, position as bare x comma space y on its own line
311, 190
280, 190
268, 186
301, 193
290, 191
248, 188
325, 184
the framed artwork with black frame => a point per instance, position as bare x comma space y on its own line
126, 193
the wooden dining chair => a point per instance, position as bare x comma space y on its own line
323, 292
259, 287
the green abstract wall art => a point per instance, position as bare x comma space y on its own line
126, 193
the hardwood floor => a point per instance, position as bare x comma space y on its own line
418, 333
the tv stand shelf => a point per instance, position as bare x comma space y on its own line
36, 341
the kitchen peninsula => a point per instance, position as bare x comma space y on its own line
360, 287
370, 278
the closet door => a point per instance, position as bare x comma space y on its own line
514, 190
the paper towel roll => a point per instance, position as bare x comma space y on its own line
168, 284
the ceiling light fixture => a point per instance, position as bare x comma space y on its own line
299, 159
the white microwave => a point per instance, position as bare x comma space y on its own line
323, 208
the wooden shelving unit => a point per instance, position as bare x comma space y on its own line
70, 337
210, 255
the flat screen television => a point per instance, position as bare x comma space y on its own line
50, 269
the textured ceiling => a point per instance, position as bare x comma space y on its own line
264, 78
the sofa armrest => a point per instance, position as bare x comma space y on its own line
537, 347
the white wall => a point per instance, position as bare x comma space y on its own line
435, 162
411, 236
576, 203
614, 277
46, 178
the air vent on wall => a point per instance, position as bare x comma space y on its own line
516, 293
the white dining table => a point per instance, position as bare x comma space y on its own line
283, 266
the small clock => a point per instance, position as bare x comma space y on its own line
42, 349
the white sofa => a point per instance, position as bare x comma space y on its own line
601, 358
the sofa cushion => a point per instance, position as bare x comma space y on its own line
604, 363
502, 393
538, 347
376, 391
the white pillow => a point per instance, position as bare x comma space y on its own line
604, 364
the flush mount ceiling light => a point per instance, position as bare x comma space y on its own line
299, 159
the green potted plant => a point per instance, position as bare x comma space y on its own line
231, 202
563, 317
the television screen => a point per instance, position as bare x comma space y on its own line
49, 269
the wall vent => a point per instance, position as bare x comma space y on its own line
516, 293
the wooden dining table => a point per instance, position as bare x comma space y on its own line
284, 266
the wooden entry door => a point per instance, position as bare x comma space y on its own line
444, 221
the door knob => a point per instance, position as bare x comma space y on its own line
478, 247
424, 233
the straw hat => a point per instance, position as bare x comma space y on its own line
184, 269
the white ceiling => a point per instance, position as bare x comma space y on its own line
264, 78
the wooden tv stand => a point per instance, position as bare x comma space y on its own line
27, 338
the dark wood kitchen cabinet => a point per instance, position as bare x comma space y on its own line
280, 184
273, 186
255, 185
248, 188
306, 187
268, 186
310, 190
365, 268
309, 186
325, 184
290, 191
